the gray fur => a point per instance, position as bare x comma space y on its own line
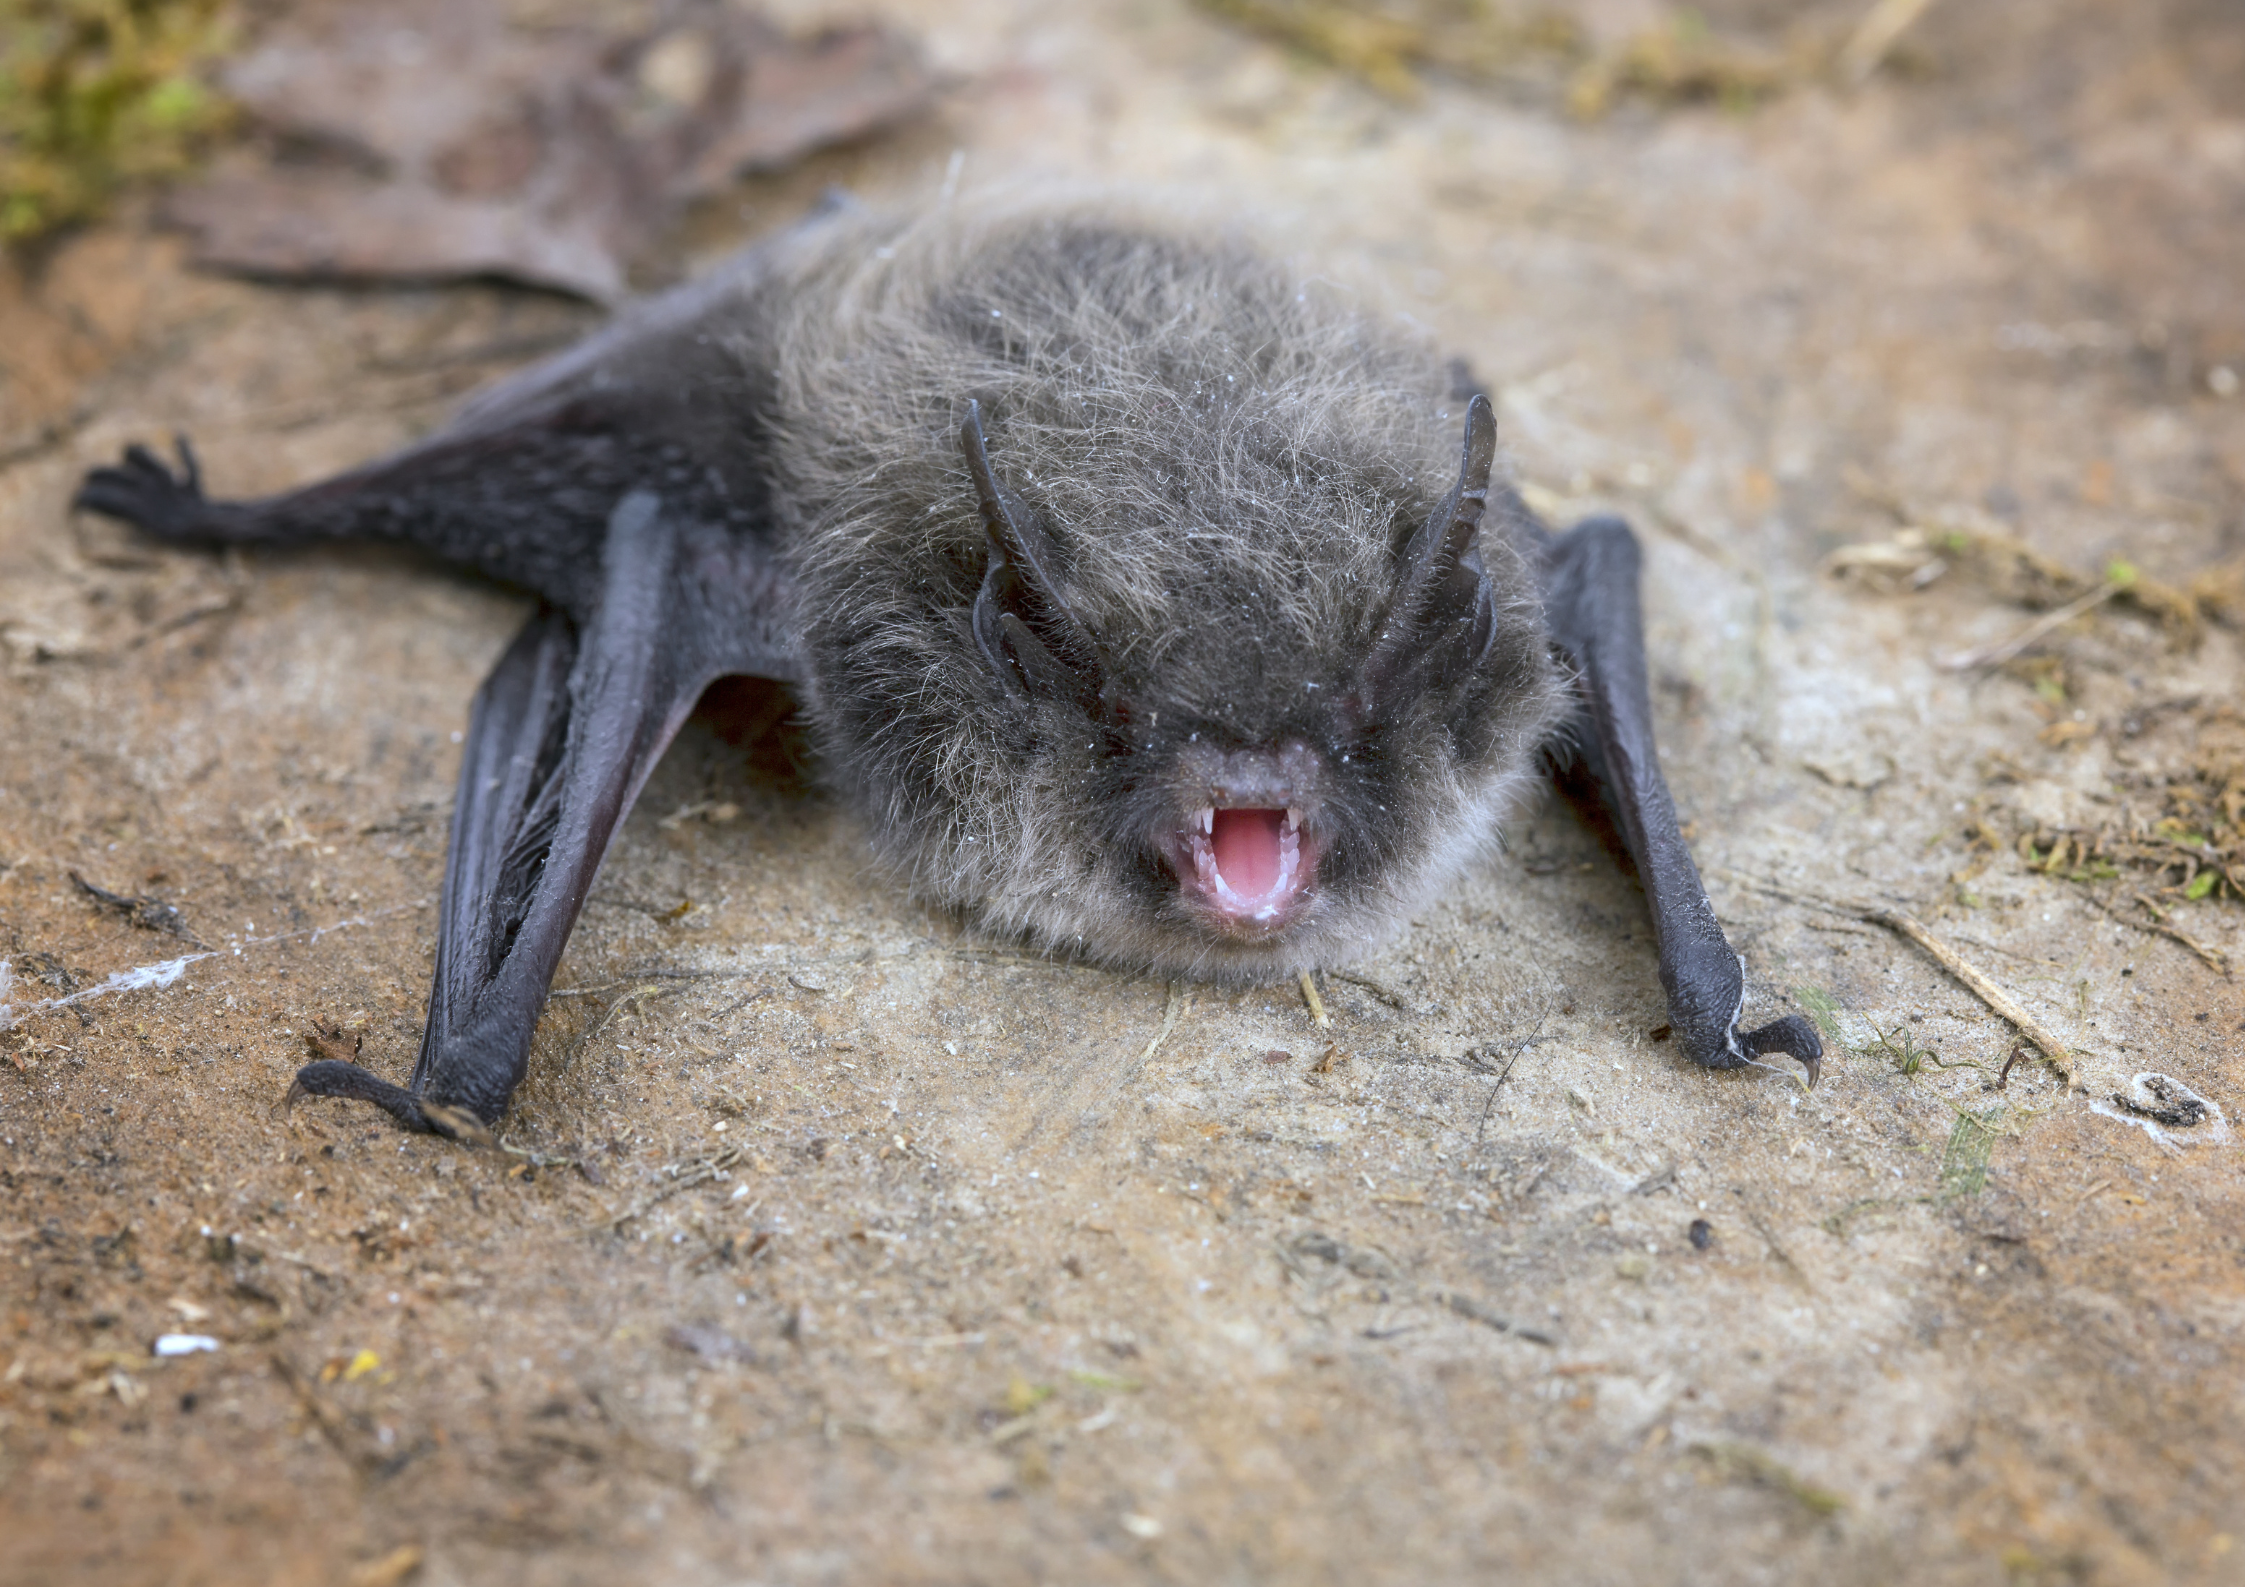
1227, 455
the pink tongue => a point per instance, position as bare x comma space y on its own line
1246, 849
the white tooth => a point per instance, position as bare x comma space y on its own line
1293, 816
1208, 819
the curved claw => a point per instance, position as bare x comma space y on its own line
1793, 1036
331, 1077
191, 469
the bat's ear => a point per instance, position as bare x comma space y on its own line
1035, 644
1443, 617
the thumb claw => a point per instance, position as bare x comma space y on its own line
1793, 1036
458, 1123
333, 1078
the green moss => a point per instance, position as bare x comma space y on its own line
1388, 43
1746, 1463
1964, 1163
1823, 1008
98, 93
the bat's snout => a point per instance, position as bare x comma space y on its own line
1246, 855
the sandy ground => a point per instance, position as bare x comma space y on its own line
853, 1249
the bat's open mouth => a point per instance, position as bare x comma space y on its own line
1250, 868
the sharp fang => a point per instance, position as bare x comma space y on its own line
1293, 817
1207, 820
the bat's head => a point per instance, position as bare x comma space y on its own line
1216, 659
1266, 797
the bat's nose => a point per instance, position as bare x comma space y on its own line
1247, 854
1279, 777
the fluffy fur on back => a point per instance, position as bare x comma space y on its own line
1228, 458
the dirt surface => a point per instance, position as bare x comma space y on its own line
834, 1245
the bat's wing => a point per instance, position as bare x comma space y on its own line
565, 731
549, 481
1589, 579
519, 483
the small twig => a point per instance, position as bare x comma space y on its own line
1472, 1310
146, 912
458, 1123
638, 994
1010, 961
1387, 995
538, 1159
1173, 1010
641, 979
1876, 35
303, 1262
346, 1434
1777, 1251
1910, 1058
1997, 654
1316, 1003
1950, 960
1983, 988
2213, 958
701, 1172
1486, 1107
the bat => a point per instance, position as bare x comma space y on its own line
1138, 591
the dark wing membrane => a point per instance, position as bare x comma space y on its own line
520, 483
527, 505
1589, 578
624, 482
565, 731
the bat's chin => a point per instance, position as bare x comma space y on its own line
1246, 874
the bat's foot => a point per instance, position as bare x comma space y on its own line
144, 492
1793, 1036
331, 1077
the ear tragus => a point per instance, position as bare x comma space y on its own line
1023, 625
1442, 619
